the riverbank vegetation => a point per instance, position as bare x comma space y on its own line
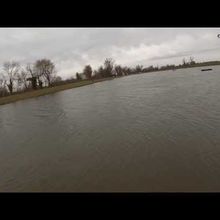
40, 78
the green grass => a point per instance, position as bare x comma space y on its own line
46, 91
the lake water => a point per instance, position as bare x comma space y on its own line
153, 132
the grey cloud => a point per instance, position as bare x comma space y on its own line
185, 53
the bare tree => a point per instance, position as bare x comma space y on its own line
30, 70
88, 71
57, 79
184, 62
138, 69
100, 72
32, 75
191, 60
127, 70
96, 74
78, 77
11, 70
45, 68
119, 70
108, 67
3, 83
22, 78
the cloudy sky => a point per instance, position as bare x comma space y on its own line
73, 48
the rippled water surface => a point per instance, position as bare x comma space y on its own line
148, 132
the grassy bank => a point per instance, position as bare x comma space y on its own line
46, 91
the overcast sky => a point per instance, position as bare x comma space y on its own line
73, 48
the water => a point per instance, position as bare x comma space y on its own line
148, 132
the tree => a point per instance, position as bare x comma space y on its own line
99, 73
57, 79
138, 69
192, 60
30, 70
45, 68
88, 71
1, 82
11, 69
127, 70
78, 77
184, 62
22, 78
3, 90
108, 67
119, 70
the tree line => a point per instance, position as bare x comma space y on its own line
15, 78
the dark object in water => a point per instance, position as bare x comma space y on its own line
206, 69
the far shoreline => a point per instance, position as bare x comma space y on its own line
50, 90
